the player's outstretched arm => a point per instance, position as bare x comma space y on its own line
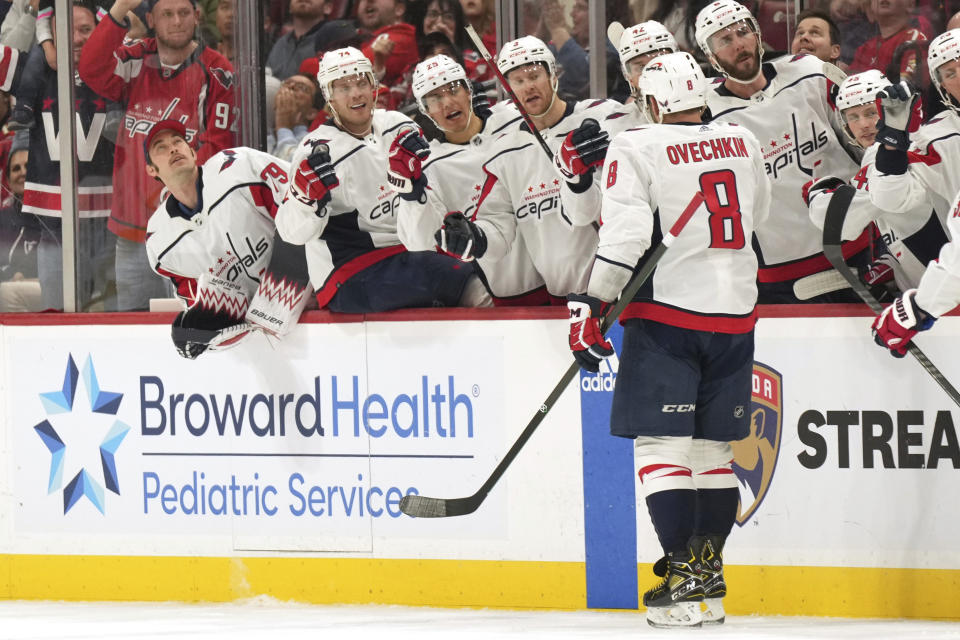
305, 211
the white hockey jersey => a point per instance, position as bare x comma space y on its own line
706, 280
931, 175
227, 242
358, 227
454, 178
792, 118
520, 196
939, 289
582, 206
914, 236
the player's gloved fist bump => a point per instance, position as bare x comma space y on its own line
315, 177
587, 343
899, 322
461, 238
814, 188
583, 148
405, 170
901, 112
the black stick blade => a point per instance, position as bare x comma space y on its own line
424, 507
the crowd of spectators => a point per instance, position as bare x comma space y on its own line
140, 61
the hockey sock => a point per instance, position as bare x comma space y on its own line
672, 513
716, 511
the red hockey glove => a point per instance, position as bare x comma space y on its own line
814, 188
587, 343
405, 171
899, 322
901, 112
315, 178
461, 238
584, 148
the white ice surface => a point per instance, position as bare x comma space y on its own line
272, 620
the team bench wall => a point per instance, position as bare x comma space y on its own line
128, 473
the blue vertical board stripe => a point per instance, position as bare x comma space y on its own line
609, 500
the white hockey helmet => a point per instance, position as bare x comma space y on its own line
944, 48
525, 50
436, 72
642, 38
719, 15
858, 89
341, 63
675, 81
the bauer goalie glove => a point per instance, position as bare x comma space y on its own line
901, 112
197, 329
899, 322
461, 238
587, 343
405, 168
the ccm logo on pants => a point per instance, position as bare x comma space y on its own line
678, 408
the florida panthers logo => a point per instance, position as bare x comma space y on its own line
223, 76
755, 457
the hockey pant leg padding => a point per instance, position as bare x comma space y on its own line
664, 463
711, 462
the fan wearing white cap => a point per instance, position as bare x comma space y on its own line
342, 205
585, 148
909, 238
453, 175
520, 195
900, 181
698, 307
787, 104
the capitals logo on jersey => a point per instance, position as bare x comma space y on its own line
755, 457
793, 147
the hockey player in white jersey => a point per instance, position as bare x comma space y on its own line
343, 208
938, 293
213, 236
521, 191
908, 239
786, 104
918, 163
583, 150
452, 176
688, 334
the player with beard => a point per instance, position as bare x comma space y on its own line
343, 208
787, 104
583, 151
444, 95
170, 76
909, 239
520, 195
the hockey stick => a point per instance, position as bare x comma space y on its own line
614, 33
818, 284
425, 507
485, 54
832, 232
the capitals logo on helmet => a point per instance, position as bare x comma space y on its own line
944, 48
856, 90
524, 51
643, 38
675, 81
434, 73
719, 15
341, 63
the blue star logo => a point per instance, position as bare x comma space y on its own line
64, 401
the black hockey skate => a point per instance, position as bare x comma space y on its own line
675, 602
714, 587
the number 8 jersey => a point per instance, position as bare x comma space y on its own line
706, 281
